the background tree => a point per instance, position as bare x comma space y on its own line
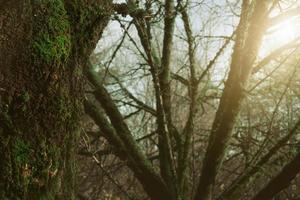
187, 90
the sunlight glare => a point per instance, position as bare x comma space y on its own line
285, 32
282, 34
279, 35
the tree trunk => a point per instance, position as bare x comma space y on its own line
281, 181
43, 46
249, 36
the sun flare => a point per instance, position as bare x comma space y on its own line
280, 35
284, 33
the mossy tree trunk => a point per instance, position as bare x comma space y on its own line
44, 44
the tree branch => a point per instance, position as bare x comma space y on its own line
249, 36
290, 45
152, 183
234, 190
283, 16
281, 181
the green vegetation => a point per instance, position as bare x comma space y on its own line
21, 152
53, 42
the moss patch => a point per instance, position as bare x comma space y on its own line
21, 152
52, 42
22, 172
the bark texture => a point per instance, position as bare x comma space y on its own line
248, 39
44, 44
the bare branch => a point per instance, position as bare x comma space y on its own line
283, 16
213, 61
249, 36
122, 139
281, 181
290, 45
233, 190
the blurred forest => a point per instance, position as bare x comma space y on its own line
150, 99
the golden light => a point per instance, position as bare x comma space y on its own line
280, 35
283, 33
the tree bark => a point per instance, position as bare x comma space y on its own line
281, 181
119, 135
43, 46
248, 39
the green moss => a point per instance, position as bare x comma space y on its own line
21, 167
63, 109
52, 41
52, 49
36, 169
25, 97
78, 72
21, 152
44, 180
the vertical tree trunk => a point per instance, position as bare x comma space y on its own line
247, 43
42, 50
